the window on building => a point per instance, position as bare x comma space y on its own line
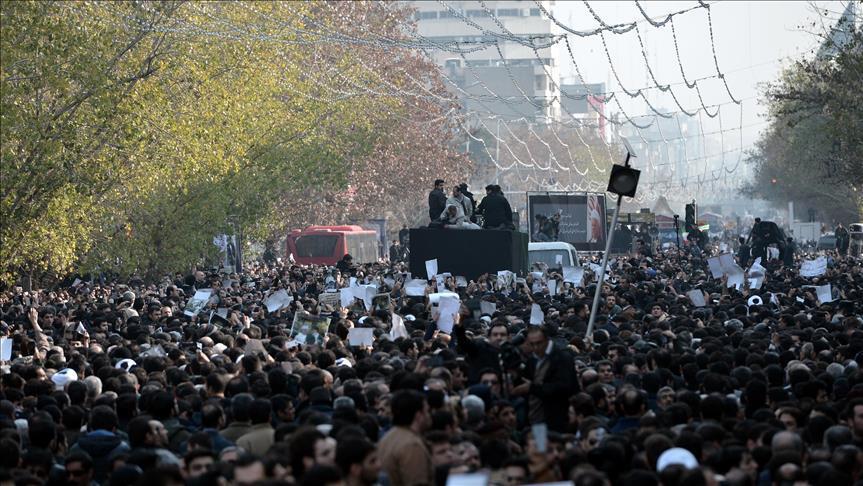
445, 14
426, 15
534, 12
477, 13
478, 63
539, 84
508, 12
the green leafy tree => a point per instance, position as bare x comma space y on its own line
810, 153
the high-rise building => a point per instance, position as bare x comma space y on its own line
507, 79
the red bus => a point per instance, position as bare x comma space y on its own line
326, 245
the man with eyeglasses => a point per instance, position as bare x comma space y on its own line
551, 372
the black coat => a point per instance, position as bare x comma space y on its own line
496, 210
437, 203
480, 354
559, 385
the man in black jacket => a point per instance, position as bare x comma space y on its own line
551, 381
495, 209
482, 353
437, 200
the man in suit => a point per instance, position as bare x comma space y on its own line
551, 381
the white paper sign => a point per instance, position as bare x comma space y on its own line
416, 288
536, 315
813, 268
434, 298
431, 268
5, 349
735, 280
574, 275
279, 300
369, 292
486, 307
460, 282
696, 297
540, 437
346, 296
399, 329
715, 267
727, 261
824, 293
552, 287
449, 307
361, 336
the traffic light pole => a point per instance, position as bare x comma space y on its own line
601, 279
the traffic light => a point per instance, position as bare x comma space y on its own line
623, 180
690, 217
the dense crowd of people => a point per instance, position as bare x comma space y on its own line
116, 384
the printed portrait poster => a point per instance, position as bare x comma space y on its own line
309, 329
575, 218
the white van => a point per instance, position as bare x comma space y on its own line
555, 254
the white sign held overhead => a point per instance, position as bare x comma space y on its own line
278, 300
5, 349
813, 268
449, 307
431, 268
398, 330
361, 336
696, 297
715, 267
573, 275
824, 293
346, 297
416, 288
536, 315
487, 307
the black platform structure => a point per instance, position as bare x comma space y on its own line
468, 253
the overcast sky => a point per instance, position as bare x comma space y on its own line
754, 40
